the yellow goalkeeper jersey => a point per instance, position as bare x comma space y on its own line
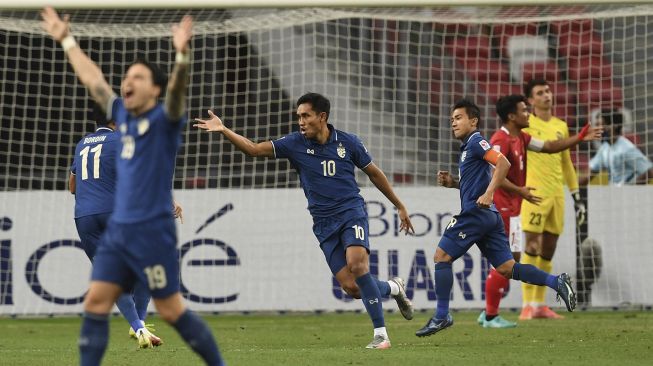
548, 172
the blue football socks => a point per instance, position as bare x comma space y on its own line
530, 274
198, 336
443, 285
93, 338
371, 297
126, 306
384, 287
141, 297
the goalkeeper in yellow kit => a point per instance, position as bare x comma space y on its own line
546, 173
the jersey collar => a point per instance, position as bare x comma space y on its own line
477, 132
333, 133
107, 129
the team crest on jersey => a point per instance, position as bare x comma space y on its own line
463, 156
143, 126
484, 145
341, 151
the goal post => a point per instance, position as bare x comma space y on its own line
391, 74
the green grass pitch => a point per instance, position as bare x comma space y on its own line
583, 338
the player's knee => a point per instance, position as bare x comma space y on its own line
97, 304
352, 290
506, 269
358, 268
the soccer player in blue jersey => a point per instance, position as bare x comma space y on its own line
139, 243
93, 182
479, 222
325, 159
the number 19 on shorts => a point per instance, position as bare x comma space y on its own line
156, 276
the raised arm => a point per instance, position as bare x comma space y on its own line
501, 167
87, 71
378, 178
250, 148
175, 100
588, 133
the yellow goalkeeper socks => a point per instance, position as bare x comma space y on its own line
540, 291
528, 289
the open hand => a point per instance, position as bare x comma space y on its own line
527, 194
214, 123
406, 226
182, 33
57, 28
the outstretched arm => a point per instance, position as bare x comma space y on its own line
250, 148
588, 133
86, 70
175, 101
378, 178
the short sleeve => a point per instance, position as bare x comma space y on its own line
478, 147
360, 156
500, 144
283, 146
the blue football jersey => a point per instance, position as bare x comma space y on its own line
94, 167
475, 173
326, 172
146, 162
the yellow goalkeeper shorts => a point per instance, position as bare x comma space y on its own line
548, 216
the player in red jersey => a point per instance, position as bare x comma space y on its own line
513, 144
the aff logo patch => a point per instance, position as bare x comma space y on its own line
484, 144
341, 151
463, 156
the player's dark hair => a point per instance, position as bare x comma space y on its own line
159, 78
528, 88
508, 104
318, 101
613, 117
471, 109
98, 115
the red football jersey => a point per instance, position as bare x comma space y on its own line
514, 149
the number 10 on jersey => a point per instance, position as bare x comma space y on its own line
328, 168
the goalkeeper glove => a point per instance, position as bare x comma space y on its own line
579, 208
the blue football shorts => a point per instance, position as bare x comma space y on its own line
337, 233
90, 229
144, 252
478, 226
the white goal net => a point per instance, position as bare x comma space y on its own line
391, 76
